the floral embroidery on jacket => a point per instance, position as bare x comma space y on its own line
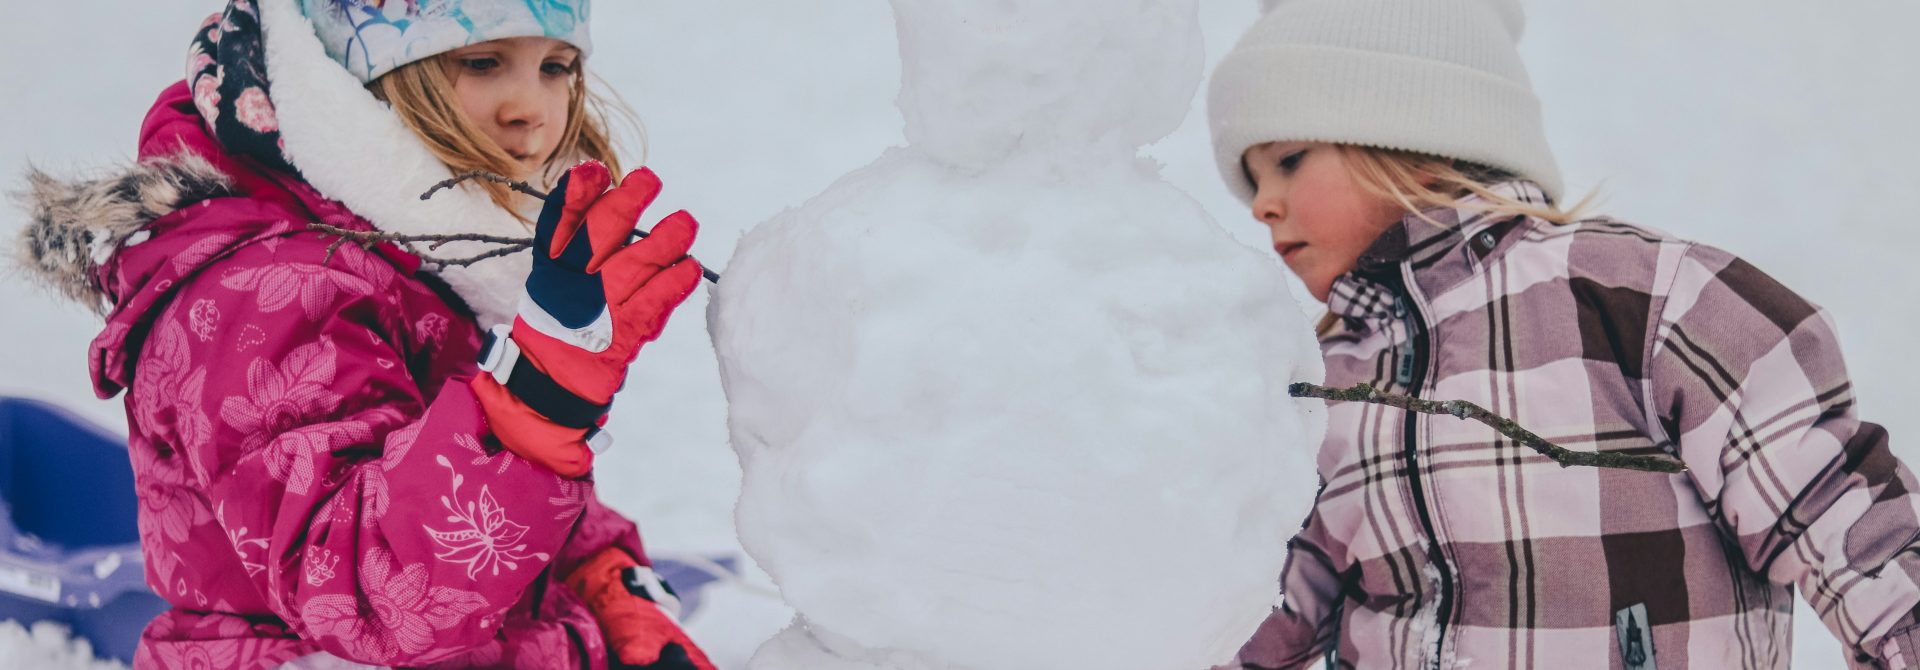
399, 614
484, 538
314, 286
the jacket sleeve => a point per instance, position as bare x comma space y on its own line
372, 517
1747, 381
600, 527
1302, 627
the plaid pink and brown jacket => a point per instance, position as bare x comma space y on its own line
1437, 543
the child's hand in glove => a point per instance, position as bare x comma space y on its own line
592, 300
636, 612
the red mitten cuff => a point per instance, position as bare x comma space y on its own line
626, 599
531, 436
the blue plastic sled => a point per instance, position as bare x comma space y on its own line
69, 546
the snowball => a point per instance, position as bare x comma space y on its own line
1021, 418
982, 79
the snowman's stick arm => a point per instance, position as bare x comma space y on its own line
1462, 409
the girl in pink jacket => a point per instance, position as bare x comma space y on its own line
326, 477
1395, 151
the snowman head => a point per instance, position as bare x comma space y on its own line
984, 80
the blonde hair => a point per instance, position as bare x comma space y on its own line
1423, 182
421, 94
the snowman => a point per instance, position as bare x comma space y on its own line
1005, 398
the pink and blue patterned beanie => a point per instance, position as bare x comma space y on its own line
372, 37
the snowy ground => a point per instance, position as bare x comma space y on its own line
46, 646
1782, 131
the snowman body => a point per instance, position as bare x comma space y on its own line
1005, 398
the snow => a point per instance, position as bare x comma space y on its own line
47, 646
1779, 130
979, 79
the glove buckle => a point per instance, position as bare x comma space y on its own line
500, 357
499, 353
599, 440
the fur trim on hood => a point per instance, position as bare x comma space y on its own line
75, 225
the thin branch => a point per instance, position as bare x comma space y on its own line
520, 186
365, 239
470, 260
509, 245
513, 244
368, 236
1462, 409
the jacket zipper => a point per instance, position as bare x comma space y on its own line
1411, 373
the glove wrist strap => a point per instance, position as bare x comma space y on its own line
642, 581
500, 357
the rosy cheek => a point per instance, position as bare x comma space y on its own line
1304, 264
1314, 274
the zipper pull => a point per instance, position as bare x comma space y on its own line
1635, 637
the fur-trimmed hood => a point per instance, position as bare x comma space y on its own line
124, 242
75, 225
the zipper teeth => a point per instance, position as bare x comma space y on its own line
1416, 329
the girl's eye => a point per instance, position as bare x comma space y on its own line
556, 69
1292, 161
480, 64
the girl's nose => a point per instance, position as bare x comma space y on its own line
521, 106
1268, 207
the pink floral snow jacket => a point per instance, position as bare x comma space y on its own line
1437, 543
314, 474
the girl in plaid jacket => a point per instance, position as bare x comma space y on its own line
1394, 148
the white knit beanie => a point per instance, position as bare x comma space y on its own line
1439, 77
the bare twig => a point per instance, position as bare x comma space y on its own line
519, 243
370, 236
520, 186
365, 239
509, 245
1462, 409
470, 260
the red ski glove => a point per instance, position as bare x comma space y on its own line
592, 301
637, 614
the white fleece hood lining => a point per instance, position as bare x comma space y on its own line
351, 147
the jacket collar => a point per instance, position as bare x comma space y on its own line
1441, 246
352, 148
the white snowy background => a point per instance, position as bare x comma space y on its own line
1782, 131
